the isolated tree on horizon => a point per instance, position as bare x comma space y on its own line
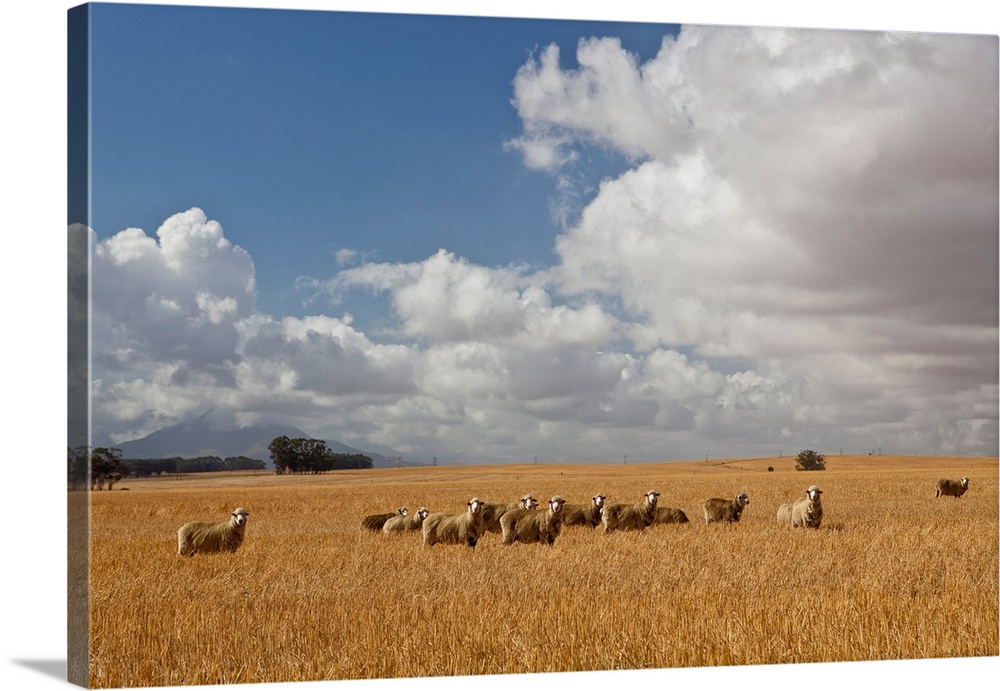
810, 460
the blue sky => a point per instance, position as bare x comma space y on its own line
490, 239
310, 132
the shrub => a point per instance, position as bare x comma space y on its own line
810, 460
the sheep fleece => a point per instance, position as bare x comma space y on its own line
582, 514
453, 529
951, 488
226, 536
530, 525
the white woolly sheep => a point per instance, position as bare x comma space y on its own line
952, 488
492, 511
528, 525
639, 516
226, 536
375, 521
666, 514
455, 529
400, 524
804, 512
584, 514
724, 510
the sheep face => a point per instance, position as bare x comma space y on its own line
402, 511
475, 505
965, 482
556, 504
742, 499
813, 493
240, 516
651, 496
598, 500
422, 512
528, 502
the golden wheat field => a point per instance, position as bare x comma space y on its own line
893, 573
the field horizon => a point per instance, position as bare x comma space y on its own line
893, 573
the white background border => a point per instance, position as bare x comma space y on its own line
33, 163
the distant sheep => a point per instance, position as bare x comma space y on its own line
492, 511
630, 516
666, 514
952, 488
584, 514
377, 520
804, 512
528, 525
724, 510
226, 536
400, 524
455, 529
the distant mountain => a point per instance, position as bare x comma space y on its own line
198, 437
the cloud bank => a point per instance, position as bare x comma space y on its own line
802, 253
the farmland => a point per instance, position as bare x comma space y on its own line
892, 574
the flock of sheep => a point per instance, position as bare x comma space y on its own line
522, 521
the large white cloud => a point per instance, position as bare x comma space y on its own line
822, 201
802, 253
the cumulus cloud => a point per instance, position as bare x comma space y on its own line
801, 253
446, 299
824, 201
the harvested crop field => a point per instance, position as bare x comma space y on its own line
892, 573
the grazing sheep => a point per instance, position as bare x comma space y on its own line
723, 510
666, 514
492, 511
528, 525
584, 514
630, 516
455, 529
804, 512
377, 520
399, 524
952, 488
226, 536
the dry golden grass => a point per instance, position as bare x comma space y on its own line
893, 574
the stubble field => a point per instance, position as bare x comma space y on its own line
894, 573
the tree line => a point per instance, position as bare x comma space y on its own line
107, 466
102, 467
301, 455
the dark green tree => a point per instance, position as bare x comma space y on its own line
244, 463
77, 466
810, 460
105, 467
280, 449
311, 456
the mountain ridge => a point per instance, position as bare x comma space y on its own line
198, 437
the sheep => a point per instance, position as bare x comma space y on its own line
377, 520
455, 529
528, 525
804, 512
584, 514
492, 511
226, 536
952, 488
723, 510
630, 516
666, 514
399, 524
